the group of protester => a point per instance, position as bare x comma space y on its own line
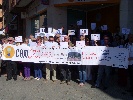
64, 72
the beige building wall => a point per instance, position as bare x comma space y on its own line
57, 17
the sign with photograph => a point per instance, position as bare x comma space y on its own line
53, 54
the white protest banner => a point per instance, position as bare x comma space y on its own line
71, 32
16, 53
63, 54
93, 26
95, 37
89, 55
18, 39
44, 58
104, 55
34, 54
83, 31
74, 56
120, 58
22, 53
63, 44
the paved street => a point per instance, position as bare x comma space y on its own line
48, 90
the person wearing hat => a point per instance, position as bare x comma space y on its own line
11, 65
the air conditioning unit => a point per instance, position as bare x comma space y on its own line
23, 15
13, 27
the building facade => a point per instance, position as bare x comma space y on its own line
34, 14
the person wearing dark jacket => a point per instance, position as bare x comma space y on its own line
11, 66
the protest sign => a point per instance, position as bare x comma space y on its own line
71, 32
95, 37
88, 55
83, 31
18, 39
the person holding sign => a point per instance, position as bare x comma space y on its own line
38, 66
65, 69
50, 66
82, 68
103, 68
20, 67
26, 64
11, 65
129, 45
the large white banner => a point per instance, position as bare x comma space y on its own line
88, 55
